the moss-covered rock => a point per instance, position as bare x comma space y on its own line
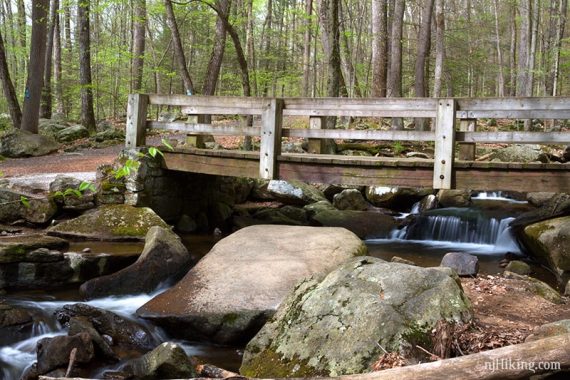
342, 324
536, 286
111, 222
18, 143
365, 224
16, 249
549, 241
518, 267
294, 192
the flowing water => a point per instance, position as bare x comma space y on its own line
481, 230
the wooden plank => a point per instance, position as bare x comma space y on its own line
467, 149
216, 130
513, 180
444, 144
136, 120
363, 112
514, 114
215, 109
205, 101
515, 137
316, 146
270, 146
211, 165
351, 134
513, 103
355, 175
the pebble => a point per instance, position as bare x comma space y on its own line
86, 250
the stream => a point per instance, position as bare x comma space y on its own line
481, 230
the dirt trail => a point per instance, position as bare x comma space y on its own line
82, 160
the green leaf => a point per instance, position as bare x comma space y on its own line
25, 201
167, 144
86, 185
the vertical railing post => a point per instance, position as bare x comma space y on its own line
444, 144
136, 120
316, 146
270, 148
467, 150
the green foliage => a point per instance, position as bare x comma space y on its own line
397, 147
24, 201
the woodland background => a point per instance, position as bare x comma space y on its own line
88, 55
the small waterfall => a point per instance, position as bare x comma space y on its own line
461, 226
495, 196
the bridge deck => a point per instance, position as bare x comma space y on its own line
387, 171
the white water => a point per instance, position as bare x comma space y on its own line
495, 196
15, 358
481, 235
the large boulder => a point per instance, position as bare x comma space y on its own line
16, 206
163, 259
55, 352
20, 143
75, 132
240, 283
64, 190
463, 263
167, 361
110, 222
125, 334
15, 249
294, 192
549, 242
517, 153
350, 199
399, 198
345, 322
365, 224
454, 198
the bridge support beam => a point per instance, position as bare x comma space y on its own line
467, 150
136, 120
444, 144
270, 148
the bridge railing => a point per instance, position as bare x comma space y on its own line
445, 111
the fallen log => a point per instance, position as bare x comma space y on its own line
512, 362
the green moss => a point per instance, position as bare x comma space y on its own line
108, 185
230, 318
268, 363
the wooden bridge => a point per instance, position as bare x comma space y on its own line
445, 171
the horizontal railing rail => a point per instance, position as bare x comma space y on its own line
445, 112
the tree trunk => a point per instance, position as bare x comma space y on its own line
307, 48
555, 70
59, 102
266, 46
513, 53
424, 42
22, 30
217, 56
501, 84
523, 47
394, 88
67, 23
250, 43
8, 87
379, 47
535, 14
36, 66
330, 34
178, 50
87, 114
139, 29
346, 59
439, 48
45, 108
